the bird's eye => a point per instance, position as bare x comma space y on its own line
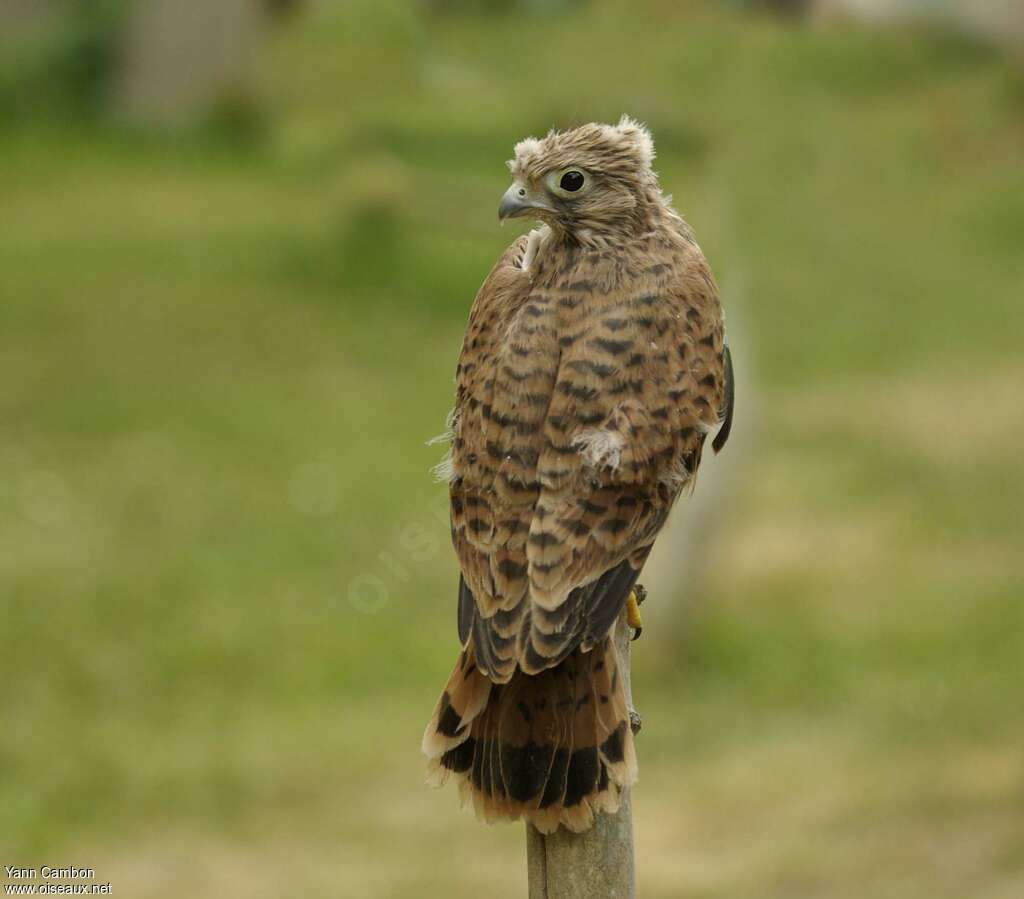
571, 181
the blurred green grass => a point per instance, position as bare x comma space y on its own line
227, 593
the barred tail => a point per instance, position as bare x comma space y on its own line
553, 747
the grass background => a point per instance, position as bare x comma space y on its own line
227, 596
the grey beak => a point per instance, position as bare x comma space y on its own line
514, 202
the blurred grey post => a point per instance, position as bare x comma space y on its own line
17, 16
996, 21
183, 57
596, 864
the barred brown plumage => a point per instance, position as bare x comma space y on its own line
593, 368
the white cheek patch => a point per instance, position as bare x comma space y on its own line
600, 448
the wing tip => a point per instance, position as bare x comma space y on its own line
730, 403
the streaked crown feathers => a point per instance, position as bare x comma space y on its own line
624, 151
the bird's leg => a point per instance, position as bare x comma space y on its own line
636, 596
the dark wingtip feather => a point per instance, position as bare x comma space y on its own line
467, 611
730, 401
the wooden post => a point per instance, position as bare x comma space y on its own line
596, 864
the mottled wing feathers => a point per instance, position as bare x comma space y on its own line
582, 619
585, 390
504, 381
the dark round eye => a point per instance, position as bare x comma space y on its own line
571, 181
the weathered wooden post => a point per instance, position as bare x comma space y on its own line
596, 864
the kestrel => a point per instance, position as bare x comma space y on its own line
593, 367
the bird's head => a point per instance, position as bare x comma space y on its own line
593, 182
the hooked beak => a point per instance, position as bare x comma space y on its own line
517, 201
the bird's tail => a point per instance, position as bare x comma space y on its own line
553, 747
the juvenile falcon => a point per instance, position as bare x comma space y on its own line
594, 366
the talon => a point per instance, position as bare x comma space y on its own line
635, 721
633, 619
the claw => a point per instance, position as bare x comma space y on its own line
636, 596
